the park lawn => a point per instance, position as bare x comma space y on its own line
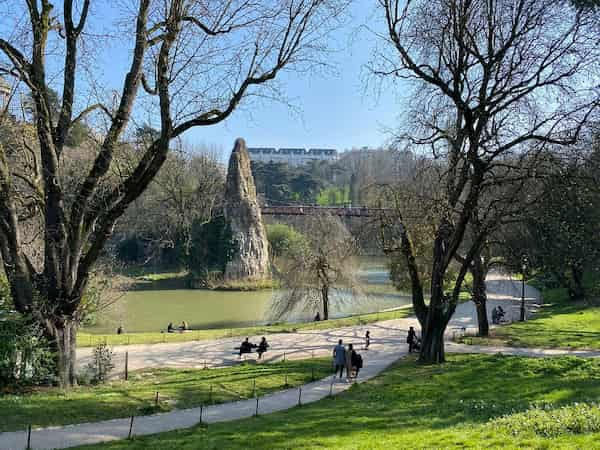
177, 388
559, 324
458, 404
90, 339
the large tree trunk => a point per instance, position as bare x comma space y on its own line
479, 295
64, 339
432, 345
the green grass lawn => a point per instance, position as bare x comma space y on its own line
473, 401
88, 339
559, 324
177, 388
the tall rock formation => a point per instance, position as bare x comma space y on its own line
251, 259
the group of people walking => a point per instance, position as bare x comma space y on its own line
346, 358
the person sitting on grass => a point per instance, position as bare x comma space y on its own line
262, 347
170, 328
183, 326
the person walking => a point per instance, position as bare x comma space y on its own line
357, 363
348, 362
411, 339
367, 339
339, 358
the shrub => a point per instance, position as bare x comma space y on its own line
25, 356
548, 421
101, 364
284, 240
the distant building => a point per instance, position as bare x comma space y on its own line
292, 156
4, 92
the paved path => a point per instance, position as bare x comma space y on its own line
388, 345
303, 344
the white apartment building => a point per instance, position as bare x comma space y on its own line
292, 156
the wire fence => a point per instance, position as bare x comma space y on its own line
288, 374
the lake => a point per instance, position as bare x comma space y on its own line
152, 309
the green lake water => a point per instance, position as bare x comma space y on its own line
151, 309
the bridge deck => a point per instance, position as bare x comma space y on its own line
303, 210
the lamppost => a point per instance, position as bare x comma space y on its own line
523, 269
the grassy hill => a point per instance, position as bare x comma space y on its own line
473, 401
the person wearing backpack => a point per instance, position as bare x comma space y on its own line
357, 362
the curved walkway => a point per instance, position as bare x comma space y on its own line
307, 343
387, 347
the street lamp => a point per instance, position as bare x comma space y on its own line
523, 269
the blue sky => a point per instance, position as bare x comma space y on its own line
335, 109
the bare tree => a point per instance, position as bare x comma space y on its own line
192, 64
187, 190
309, 272
494, 80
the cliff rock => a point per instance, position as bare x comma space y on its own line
251, 258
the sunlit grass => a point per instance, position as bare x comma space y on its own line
455, 405
177, 388
559, 324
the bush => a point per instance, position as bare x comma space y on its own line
25, 356
284, 240
549, 421
101, 364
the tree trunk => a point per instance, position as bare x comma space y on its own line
64, 335
432, 345
480, 296
576, 289
325, 298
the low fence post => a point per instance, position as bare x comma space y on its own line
156, 399
29, 437
331, 386
201, 408
130, 428
254, 388
126, 366
256, 413
312, 375
299, 395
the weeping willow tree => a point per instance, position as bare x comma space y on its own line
312, 268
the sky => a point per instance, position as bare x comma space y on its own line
336, 108
331, 109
